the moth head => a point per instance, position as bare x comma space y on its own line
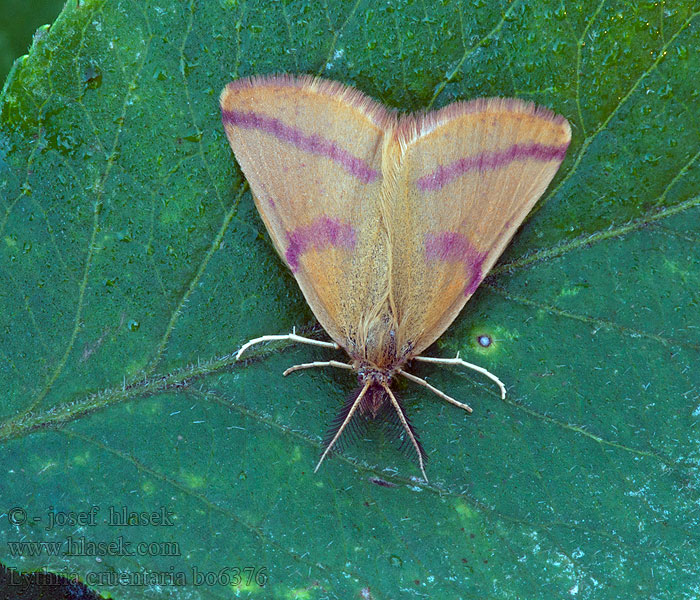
375, 375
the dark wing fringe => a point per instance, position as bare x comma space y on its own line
354, 429
388, 418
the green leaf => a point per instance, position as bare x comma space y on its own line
16, 32
133, 263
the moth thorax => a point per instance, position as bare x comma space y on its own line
379, 336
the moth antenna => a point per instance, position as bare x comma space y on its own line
389, 419
435, 391
408, 428
355, 427
330, 363
292, 337
463, 363
352, 410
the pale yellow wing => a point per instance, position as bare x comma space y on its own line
311, 151
463, 179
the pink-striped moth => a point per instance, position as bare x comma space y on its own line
388, 222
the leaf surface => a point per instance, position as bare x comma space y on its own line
133, 263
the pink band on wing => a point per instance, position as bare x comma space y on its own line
488, 161
320, 234
455, 247
314, 143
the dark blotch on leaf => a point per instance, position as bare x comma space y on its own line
382, 482
92, 77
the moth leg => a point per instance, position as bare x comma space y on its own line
292, 337
458, 361
402, 418
436, 391
330, 363
352, 410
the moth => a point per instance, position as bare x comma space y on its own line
388, 221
